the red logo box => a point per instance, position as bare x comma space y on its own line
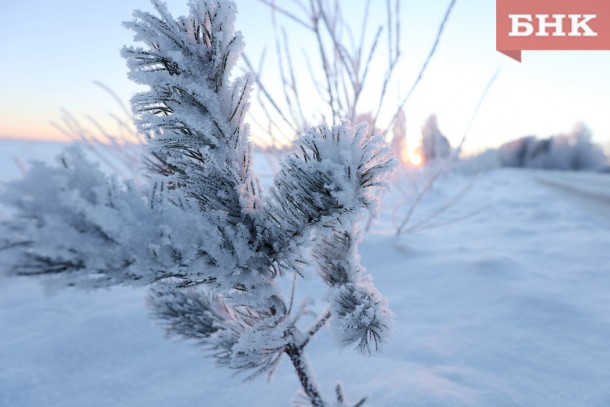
551, 25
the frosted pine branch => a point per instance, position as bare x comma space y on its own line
78, 227
224, 332
359, 314
333, 174
201, 232
192, 112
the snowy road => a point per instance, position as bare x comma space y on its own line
592, 190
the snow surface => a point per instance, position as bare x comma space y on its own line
509, 306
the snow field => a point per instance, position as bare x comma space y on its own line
507, 307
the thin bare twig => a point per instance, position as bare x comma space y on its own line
316, 327
425, 223
429, 183
315, 15
460, 218
270, 99
286, 13
476, 110
438, 211
424, 66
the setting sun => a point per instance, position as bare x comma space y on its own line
412, 158
416, 158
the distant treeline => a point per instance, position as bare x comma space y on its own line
573, 151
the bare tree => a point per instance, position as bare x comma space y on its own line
341, 69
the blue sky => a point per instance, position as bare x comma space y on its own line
52, 50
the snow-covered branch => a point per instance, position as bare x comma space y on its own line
200, 231
192, 112
359, 314
78, 227
333, 174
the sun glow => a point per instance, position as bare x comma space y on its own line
411, 157
416, 158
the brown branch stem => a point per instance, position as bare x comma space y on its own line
301, 365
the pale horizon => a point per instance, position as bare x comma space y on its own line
61, 50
